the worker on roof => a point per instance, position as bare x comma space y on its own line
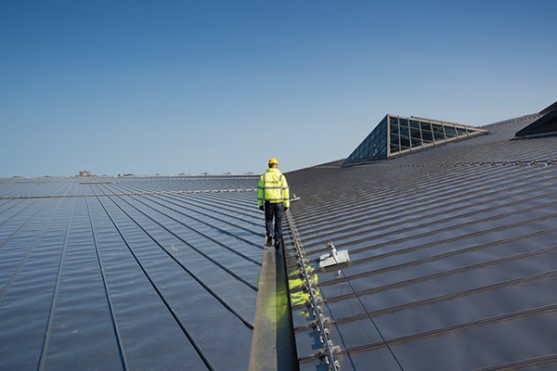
273, 198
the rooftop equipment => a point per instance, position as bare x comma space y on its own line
334, 257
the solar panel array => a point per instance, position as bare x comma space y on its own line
453, 256
453, 264
128, 273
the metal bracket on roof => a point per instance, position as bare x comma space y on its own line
334, 257
329, 352
294, 197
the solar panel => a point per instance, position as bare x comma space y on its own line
453, 256
128, 273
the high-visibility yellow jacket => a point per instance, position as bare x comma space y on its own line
273, 188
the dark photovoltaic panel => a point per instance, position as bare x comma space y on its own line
453, 256
453, 264
128, 273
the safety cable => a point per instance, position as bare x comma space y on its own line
374, 324
198, 191
330, 350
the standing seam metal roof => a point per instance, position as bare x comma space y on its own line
453, 256
128, 273
453, 264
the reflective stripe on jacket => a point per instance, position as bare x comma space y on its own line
273, 188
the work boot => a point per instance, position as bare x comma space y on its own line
277, 243
269, 241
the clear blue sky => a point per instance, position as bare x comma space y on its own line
167, 87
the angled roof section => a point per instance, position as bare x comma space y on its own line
397, 135
453, 257
543, 127
549, 108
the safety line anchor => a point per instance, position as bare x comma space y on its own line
334, 257
321, 324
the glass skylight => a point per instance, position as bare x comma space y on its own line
398, 135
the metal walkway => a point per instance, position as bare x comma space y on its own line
273, 347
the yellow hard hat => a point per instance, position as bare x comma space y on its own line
273, 161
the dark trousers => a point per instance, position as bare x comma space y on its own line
274, 211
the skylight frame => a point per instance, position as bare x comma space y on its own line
404, 140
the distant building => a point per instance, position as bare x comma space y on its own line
85, 173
